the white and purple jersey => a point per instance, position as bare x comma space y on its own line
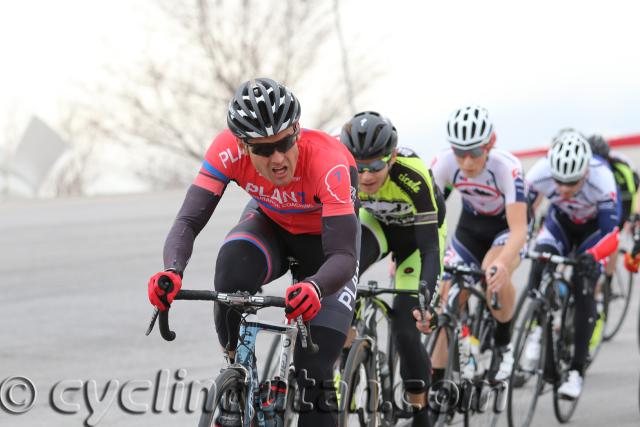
596, 199
500, 184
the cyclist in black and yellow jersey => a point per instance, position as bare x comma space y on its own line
402, 213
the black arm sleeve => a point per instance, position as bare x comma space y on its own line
430, 210
197, 208
440, 204
429, 246
339, 234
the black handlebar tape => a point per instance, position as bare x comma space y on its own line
274, 302
165, 330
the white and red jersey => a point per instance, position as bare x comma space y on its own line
597, 194
498, 185
321, 185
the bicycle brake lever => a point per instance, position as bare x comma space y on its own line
303, 331
305, 334
164, 283
423, 296
495, 304
422, 301
152, 323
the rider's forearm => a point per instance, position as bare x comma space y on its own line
339, 235
429, 246
197, 208
516, 214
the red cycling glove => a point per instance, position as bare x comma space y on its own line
156, 292
631, 263
302, 299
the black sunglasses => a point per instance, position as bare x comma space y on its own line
375, 166
474, 152
266, 149
568, 184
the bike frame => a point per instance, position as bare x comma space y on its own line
450, 320
369, 306
245, 360
544, 295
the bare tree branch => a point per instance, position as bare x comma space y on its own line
173, 106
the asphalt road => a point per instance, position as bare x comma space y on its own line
73, 310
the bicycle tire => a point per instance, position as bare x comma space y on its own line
230, 383
392, 388
620, 288
519, 308
563, 353
445, 396
484, 400
522, 375
359, 364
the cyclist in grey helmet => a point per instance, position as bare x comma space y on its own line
402, 214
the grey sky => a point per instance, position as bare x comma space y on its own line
537, 66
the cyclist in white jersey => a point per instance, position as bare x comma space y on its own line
583, 218
492, 228
628, 182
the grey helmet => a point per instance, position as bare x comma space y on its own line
599, 146
260, 108
469, 127
369, 135
569, 157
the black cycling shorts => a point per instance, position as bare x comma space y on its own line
256, 230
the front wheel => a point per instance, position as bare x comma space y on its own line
526, 380
564, 350
225, 404
359, 388
617, 295
445, 396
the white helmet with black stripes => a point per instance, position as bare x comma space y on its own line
569, 157
469, 127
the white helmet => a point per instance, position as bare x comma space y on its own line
569, 157
469, 127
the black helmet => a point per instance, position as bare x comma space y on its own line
261, 108
599, 145
369, 135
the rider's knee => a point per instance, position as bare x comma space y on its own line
241, 266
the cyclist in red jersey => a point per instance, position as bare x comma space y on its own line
302, 183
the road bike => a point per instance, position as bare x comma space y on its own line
237, 395
371, 392
544, 344
468, 385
